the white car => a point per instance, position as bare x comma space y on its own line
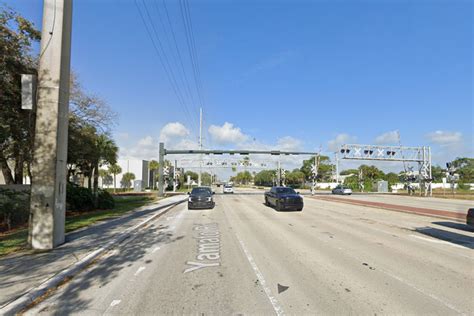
228, 189
342, 190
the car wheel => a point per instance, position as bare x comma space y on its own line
277, 206
266, 202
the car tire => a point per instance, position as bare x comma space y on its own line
266, 202
278, 206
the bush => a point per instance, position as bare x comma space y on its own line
14, 208
79, 198
106, 201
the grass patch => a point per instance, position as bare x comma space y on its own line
16, 240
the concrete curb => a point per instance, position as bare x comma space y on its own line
25, 300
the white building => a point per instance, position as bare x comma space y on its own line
138, 167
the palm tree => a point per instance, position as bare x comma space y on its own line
153, 165
115, 170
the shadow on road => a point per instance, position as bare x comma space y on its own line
132, 250
458, 239
454, 225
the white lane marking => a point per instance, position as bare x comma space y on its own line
155, 249
115, 302
169, 218
438, 241
139, 270
276, 306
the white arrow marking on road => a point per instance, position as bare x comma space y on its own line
155, 250
139, 270
115, 302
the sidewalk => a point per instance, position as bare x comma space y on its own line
454, 212
23, 271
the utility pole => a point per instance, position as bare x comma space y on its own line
161, 162
175, 173
200, 146
49, 172
337, 168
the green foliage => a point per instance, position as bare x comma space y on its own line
243, 177
349, 171
324, 170
106, 201
295, 178
16, 125
352, 182
265, 177
206, 178
465, 169
437, 173
79, 198
14, 208
127, 179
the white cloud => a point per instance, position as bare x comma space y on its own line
227, 134
289, 143
145, 149
172, 131
341, 139
445, 138
387, 138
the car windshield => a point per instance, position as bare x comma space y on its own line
285, 190
227, 186
201, 191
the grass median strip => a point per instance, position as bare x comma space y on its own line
16, 240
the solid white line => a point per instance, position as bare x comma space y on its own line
261, 279
139, 270
438, 241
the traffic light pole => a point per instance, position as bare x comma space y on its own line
161, 189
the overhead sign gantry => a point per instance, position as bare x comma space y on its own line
420, 155
163, 152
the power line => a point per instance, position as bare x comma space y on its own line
163, 59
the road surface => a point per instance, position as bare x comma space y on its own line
245, 258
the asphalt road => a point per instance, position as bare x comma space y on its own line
245, 258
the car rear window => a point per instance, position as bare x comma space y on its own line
201, 191
286, 190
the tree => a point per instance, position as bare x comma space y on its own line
243, 177
206, 178
295, 178
115, 170
154, 165
324, 170
465, 169
127, 178
105, 152
437, 173
16, 125
104, 174
265, 177
348, 172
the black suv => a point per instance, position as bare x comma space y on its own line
201, 197
284, 198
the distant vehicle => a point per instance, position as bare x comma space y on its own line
283, 198
340, 189
228, 188
200, 198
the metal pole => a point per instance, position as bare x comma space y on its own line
161, 162
49, 173
200, 146
337, 168
174, 175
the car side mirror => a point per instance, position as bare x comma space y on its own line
297, 193
189, 193
213, 192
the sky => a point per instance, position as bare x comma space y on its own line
289, 75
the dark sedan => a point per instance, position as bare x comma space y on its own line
200, 198
283, 198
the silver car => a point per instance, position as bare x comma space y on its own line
340, 189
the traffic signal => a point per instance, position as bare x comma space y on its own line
368, 151
390, 153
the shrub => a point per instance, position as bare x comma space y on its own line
106, 201
14, 208
79, 198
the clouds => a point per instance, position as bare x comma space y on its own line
445, 138
173, 130
227, 134
145, 149
387, 138
341, 139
